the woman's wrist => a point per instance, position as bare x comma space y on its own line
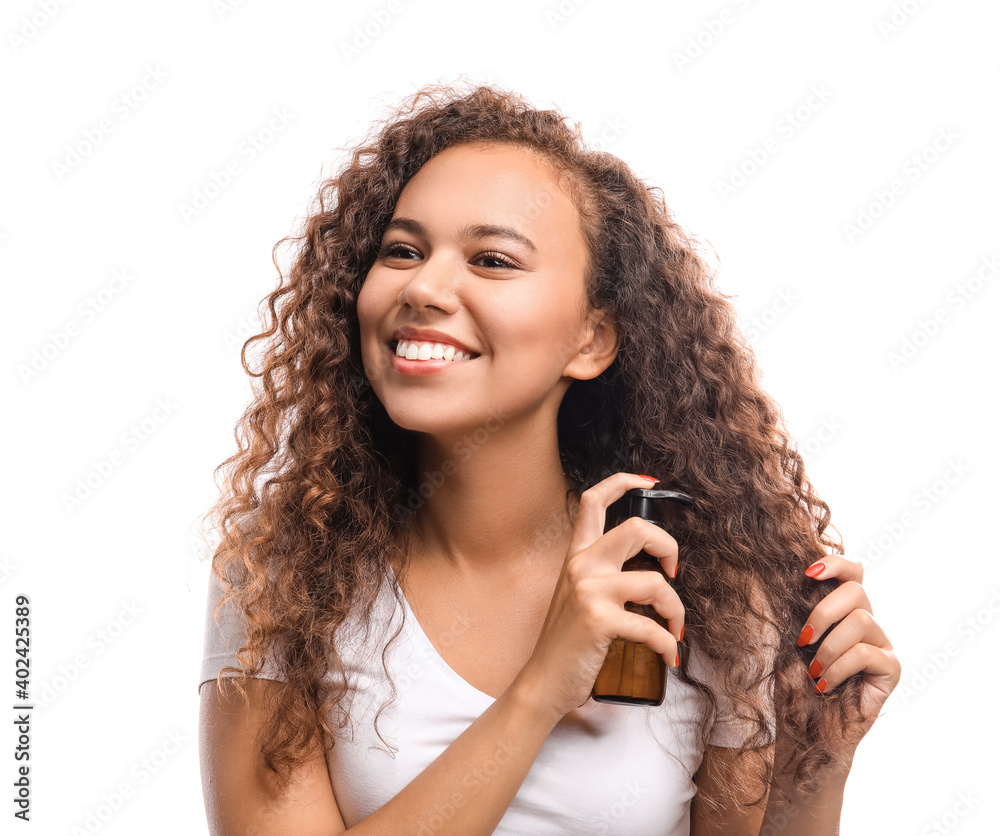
528, 699
815, 812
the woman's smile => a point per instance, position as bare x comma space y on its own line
422, 358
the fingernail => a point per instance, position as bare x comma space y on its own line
682, 633
816, 569
815, 669
806, 635
821, 686
651, 479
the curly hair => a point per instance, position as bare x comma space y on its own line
310, 506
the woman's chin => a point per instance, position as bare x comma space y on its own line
418, 421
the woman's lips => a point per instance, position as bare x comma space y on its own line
421, 368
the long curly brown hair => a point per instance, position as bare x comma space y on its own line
310, 506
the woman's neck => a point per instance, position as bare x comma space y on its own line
493, 505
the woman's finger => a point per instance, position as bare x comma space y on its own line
639, 628
647, 588
635, 534
857, 627
880, 666
590, 514
621, 543
835, 566
832, 608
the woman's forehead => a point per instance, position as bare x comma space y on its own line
490, 184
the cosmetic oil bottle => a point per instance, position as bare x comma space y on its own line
633, 674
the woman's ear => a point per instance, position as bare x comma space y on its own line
598, 351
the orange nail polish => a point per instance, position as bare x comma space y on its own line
816, 668
682, 633
821, 686
816, 569
651, 479
806, 635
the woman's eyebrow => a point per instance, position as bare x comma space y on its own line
487, 230
471, 231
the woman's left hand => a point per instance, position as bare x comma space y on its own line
856, 644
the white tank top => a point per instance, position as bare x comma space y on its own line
604, 768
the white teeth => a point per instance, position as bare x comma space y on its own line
429, 351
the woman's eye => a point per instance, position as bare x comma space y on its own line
501, 261
393, 251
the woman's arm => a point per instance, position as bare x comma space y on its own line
815, 814
467, 789
449, 797
857, 644
720, 768
802, 815
241, 796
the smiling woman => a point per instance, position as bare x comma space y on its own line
516, 307
487, 316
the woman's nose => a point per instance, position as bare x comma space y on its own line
432, 284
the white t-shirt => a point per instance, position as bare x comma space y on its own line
601, 769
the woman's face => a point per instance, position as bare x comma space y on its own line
485, 253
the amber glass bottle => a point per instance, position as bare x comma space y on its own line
633, 674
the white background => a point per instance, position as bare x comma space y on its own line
684, 93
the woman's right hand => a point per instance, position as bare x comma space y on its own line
587, 611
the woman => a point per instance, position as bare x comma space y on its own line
487, 333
